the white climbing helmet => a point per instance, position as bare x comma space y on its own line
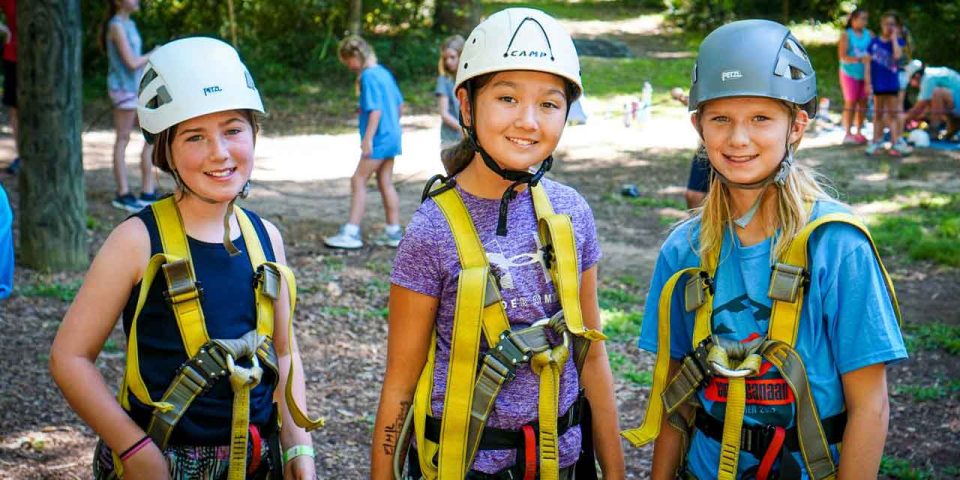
520, 39
913, 67
191, 77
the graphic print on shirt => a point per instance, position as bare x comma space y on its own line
517, 272
769, 398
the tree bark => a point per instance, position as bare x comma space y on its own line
356, 17
456, 16
52, 205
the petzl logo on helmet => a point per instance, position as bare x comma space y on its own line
211, 89
730, 75
529, 41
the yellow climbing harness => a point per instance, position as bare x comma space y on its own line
210, 359
470, 394
709, 357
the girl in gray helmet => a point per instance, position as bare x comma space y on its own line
753, 92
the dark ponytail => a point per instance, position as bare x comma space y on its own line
105, 24
853, 15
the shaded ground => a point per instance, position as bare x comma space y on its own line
343, 295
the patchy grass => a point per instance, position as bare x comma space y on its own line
624, 368
642, 201
932, 336
613, 298
902, 469
621, 325
605, 77
586, 10
929, 231
928, 393
60, 291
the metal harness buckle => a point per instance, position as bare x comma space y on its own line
694, 293
267, 280
180, 285
786, 281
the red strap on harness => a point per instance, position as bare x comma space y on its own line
529, 453
255, 454
773, 451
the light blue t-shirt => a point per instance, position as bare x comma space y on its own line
856, 47
444, 88
940, 77
379, 91
847, 322
119, 77
6, 245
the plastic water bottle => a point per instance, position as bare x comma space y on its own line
646, 98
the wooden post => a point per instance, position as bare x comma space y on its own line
52, 205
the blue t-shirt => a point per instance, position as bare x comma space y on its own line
119, 77
847, 322
940, 77
883, 67
856, 47
444, 88
379, 91
6, 245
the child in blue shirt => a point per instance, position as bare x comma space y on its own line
881, 72
751, 106
381, 105
6, 246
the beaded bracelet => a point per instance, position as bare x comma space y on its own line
136, 447
297, 451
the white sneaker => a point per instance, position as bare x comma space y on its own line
344, 239
387, 239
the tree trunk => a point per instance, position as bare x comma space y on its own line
356, 17
785, 11
52, 205
456, 16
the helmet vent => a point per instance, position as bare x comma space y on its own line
162, 98
249, 78
148, 77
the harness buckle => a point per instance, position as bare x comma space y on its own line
267, 280
786, 281
694, 293
181, 287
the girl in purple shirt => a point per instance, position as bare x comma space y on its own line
514, 101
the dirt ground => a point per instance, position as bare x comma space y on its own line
343, 295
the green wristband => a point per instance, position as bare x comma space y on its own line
298, 450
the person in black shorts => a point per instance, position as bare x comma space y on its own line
699, 182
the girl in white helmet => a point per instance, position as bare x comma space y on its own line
771, 302
517, 76
209, 335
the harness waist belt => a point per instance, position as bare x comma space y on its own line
756, 438
500, 439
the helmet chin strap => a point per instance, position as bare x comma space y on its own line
242, 194
518, 177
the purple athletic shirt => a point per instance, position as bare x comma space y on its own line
427, 263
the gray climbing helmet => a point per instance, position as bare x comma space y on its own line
753, 58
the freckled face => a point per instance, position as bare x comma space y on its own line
746, 137
213, 154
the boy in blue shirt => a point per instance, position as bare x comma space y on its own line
381, 105
6, 246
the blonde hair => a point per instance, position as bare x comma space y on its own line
802, 186
356, 46
455, 43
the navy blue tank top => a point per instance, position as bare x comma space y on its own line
229, 310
